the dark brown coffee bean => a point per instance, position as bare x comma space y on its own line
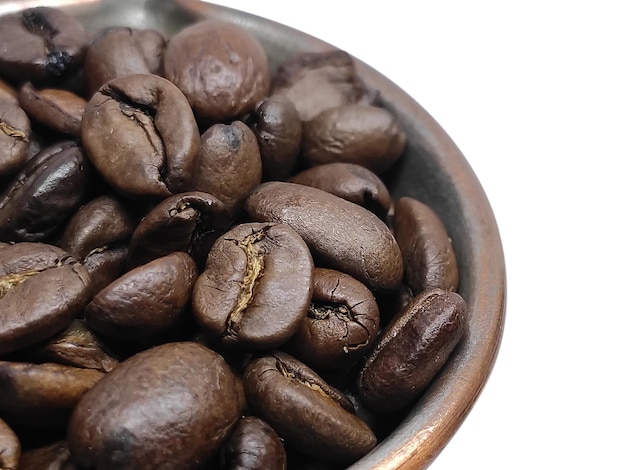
42, 288
153, 151
366, 135
316, 81
42, 395
55, 456
341, 324
189, 222
45, 194
229, 164
221, 68
60, 110
429, 259
39, 44
118, 52
254, 445
340, 234
10, 448
14, 137
256, 287
145, 301
278, 130
411, 350
169, 407
75, 346
296, 403
351, 182
104, 265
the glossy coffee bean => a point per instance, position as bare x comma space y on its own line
340, 234
55, 456
189, 222
316, 81
10, 448
429, 258
42, 395
44, 194
278, 130
351, 182
369, 136
341, 324
118, 52
171, 406
60, 110
254, 445
40, 44
412, 349
42, 288
300, 406
14, 137
152, 153
256, 287
220, 67
145, 301
229, 164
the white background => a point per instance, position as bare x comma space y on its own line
534, 94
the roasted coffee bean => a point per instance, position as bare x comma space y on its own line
429, 260
10, 448
341, 324
189, 222
60, 110
118, 52
15, 134
40, 44
42, 395
340, 234
220, 67
256, 287
278, 130
145, 301
42, 288
254, 445
75, 346
301, 407
171, 406
351, 182
316, 81
229, 164
45, 194
152, 153
369, 136
55, 456
411, 350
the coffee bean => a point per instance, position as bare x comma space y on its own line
220, 67
254, 445
429, 259
351, 182
340, 234
145, 301
10, 448
302, 409
42, 395
153, 152
411, 350
14, 137
42, 288
256, 287
40, 44
171, 406
341, 324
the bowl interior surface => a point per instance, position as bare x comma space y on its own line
433, 170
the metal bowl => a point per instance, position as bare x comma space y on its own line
433, 170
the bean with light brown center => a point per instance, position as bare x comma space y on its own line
14, 137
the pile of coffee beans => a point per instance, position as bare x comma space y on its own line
201, 265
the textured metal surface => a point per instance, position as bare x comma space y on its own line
434, 170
